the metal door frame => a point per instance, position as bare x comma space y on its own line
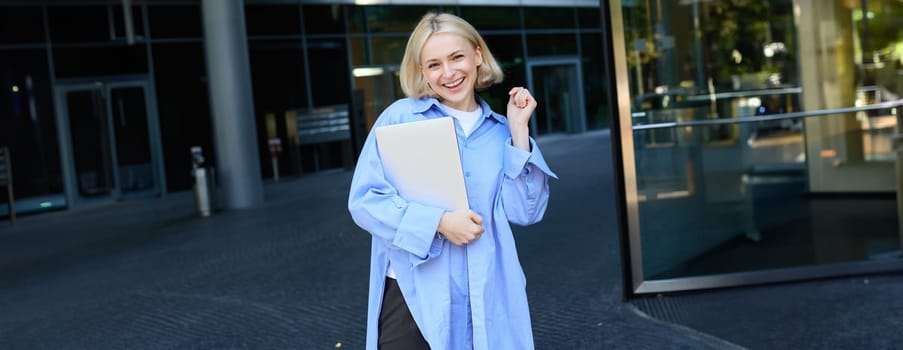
67, 156
559, 61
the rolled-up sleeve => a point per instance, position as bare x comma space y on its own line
525, 187
376, 207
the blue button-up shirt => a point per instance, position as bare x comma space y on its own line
471, 296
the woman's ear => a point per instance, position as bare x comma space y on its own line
479, 53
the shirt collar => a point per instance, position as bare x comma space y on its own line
423, 104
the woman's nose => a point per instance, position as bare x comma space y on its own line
447, 70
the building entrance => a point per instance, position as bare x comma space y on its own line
109, 140
557, 87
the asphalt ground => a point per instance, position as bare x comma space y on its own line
291, 273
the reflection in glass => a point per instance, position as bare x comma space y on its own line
589, 17
597, 114
551, 44
272, 19
278, 81
277, 74
90, 137
492, 17
388, 50
880, 58
356, 22
323, 19
555, 89
549, 17
329, 72
358, 51
703, 46
402, 19
508, 52
129, 118
506, 49
119, 23
27, 124
69, 24
770, 194
175, 21
710, 207
100, 60
375, 88
879, 50
21, 25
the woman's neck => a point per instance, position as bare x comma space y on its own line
469, 107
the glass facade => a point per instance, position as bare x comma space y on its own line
758, 139
28, 126
81, 78
378, 35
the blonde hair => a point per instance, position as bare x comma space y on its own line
412, 81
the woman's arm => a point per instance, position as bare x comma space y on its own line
520, 108
525, 187
376, 207
525, 184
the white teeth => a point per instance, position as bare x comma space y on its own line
454, 84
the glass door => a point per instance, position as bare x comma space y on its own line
555, 84
134, 161
89, 130
757, 140
105, 134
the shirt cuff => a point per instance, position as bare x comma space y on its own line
516, 160
417, 230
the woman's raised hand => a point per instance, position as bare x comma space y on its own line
521, 105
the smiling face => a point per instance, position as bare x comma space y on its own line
449, 64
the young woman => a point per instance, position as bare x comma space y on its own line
445, 279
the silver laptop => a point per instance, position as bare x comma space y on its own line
421, 159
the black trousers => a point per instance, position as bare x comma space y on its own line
397, 330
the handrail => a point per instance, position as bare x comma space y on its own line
761, 92
724, 95
771, 117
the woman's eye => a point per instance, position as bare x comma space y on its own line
459, 57
432, 66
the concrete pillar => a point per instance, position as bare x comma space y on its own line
231, 102
834, 145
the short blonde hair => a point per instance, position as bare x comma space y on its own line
412, 81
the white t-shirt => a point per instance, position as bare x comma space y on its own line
468, 120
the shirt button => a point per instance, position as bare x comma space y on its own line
467, 174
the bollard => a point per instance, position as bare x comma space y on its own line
204, 185
203, 193
275, 148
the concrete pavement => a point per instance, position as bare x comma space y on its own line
292, 273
